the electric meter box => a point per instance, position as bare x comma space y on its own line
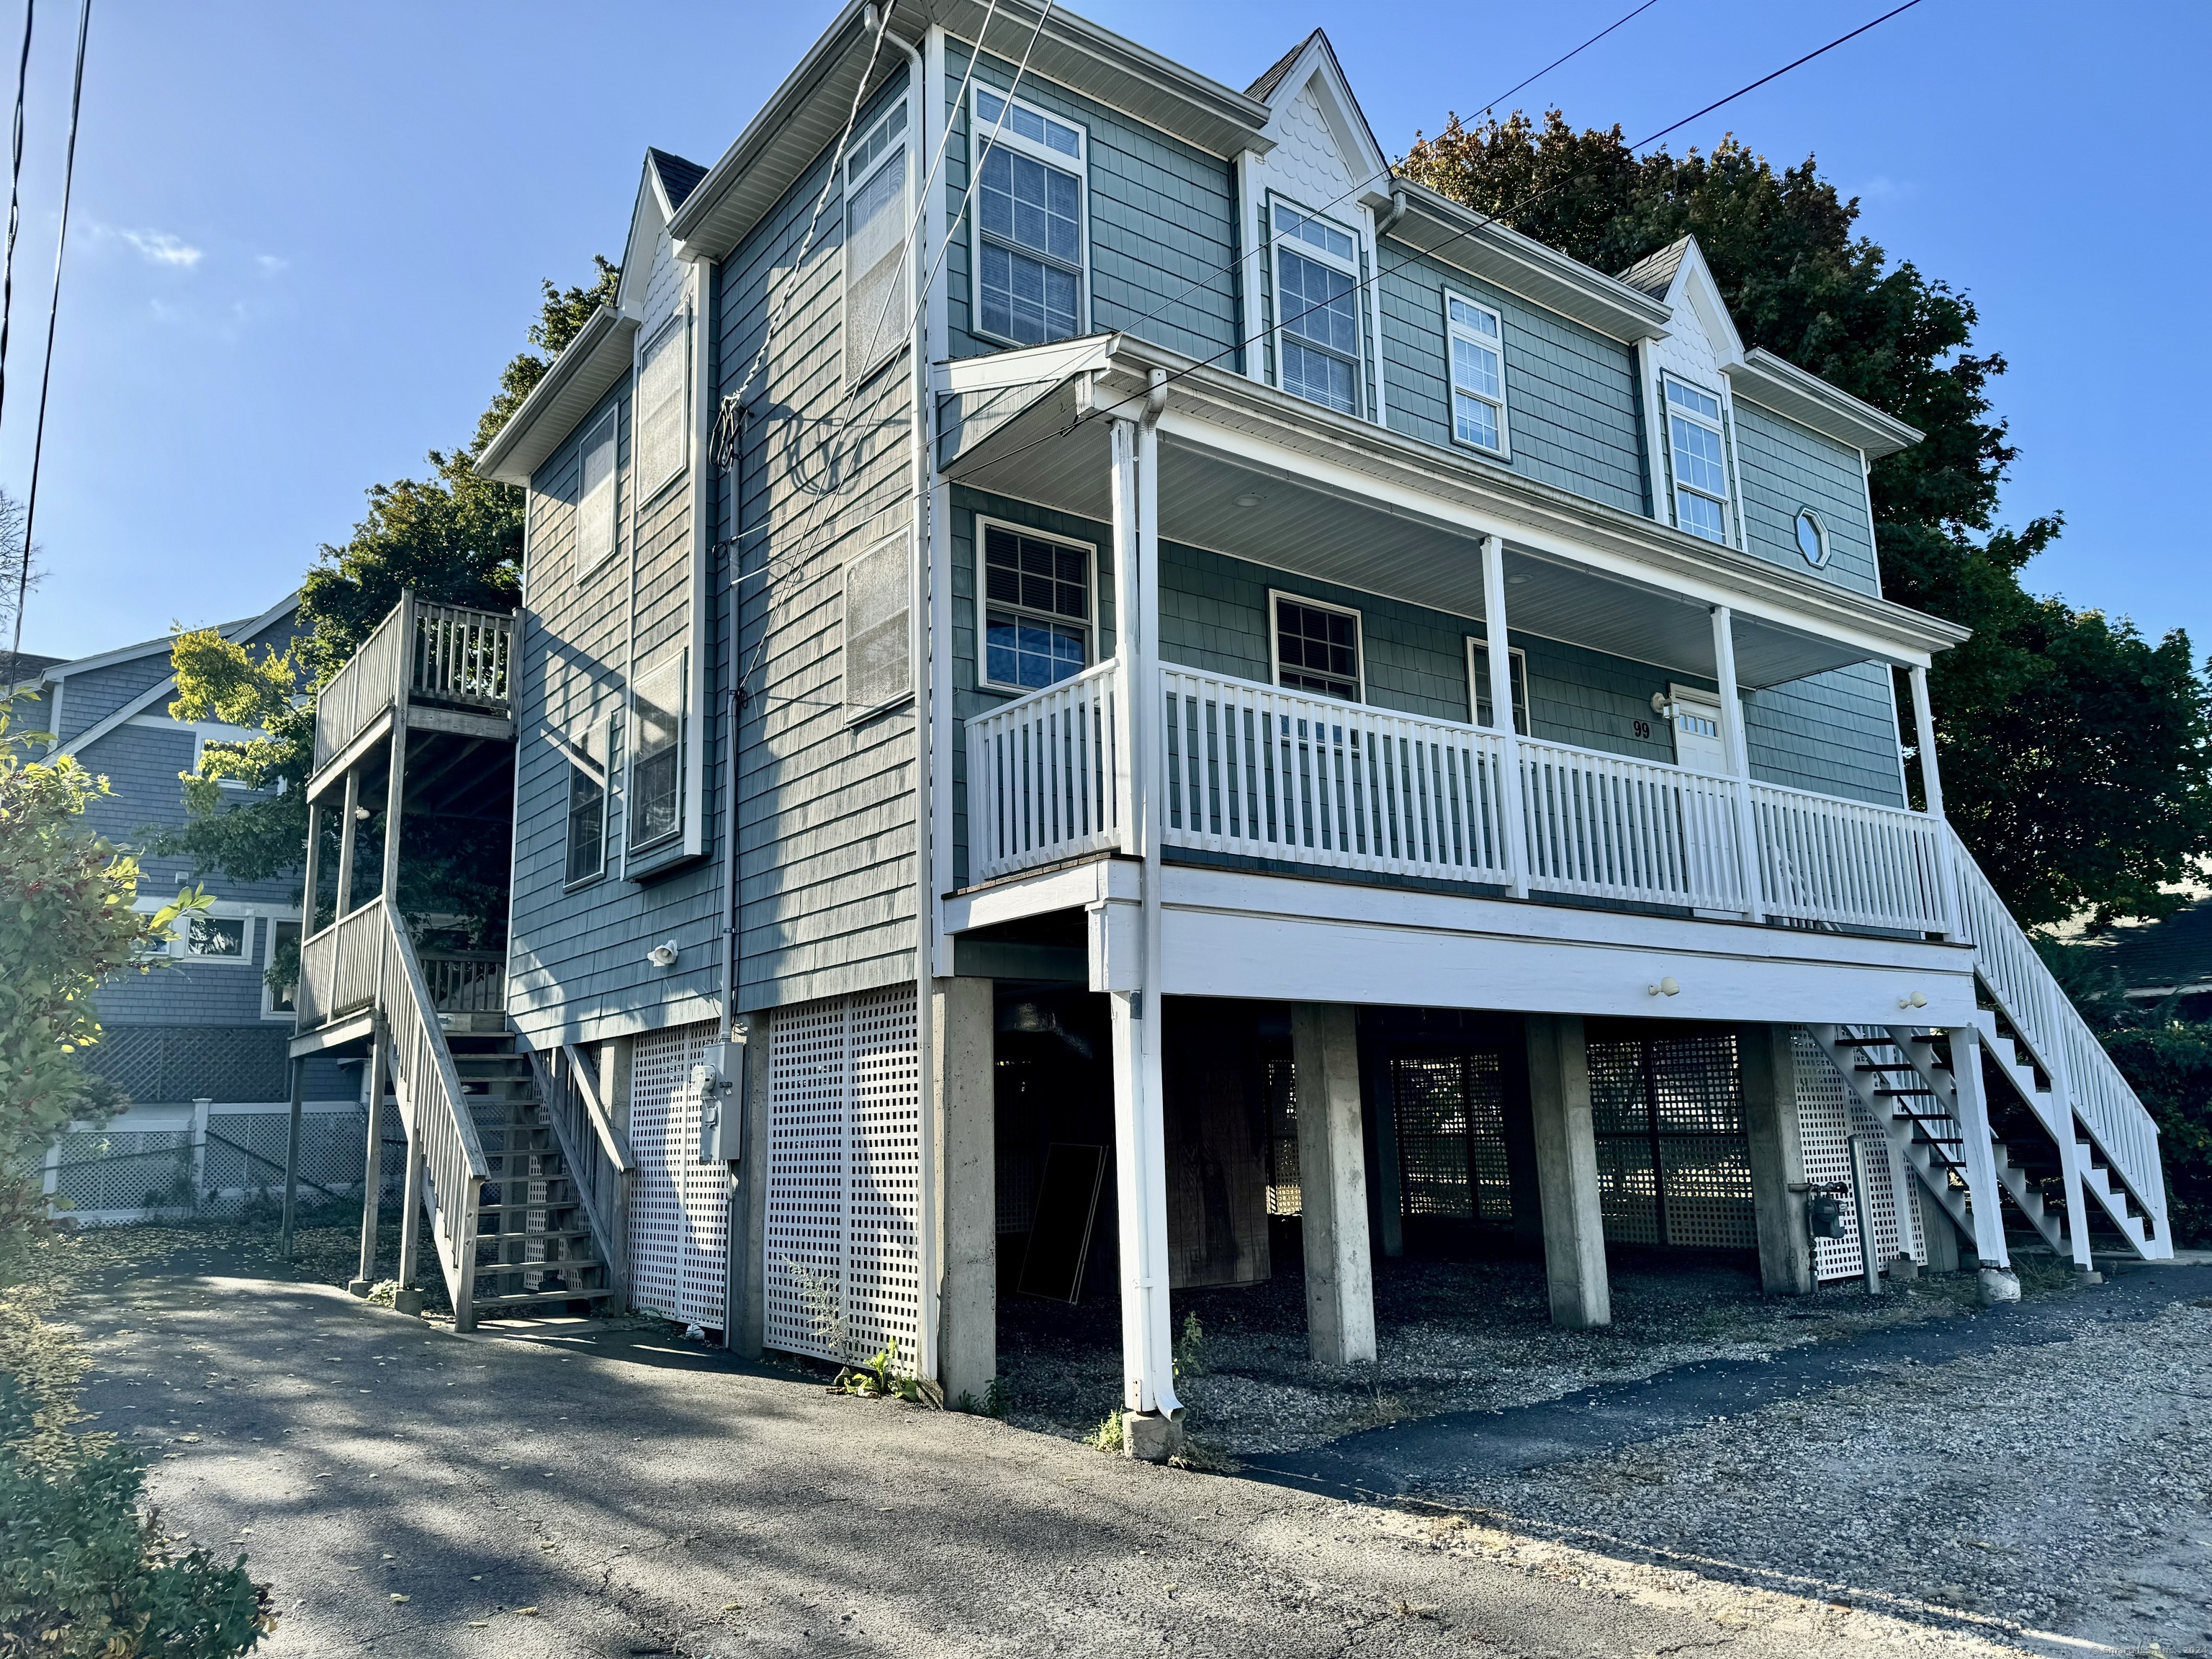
719, 1074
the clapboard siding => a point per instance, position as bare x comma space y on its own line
1786, 467
1573, 415
1161, 218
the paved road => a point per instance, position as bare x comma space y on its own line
583, 1491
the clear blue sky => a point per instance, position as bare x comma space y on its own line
307, 237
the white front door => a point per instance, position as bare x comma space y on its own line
1698, 733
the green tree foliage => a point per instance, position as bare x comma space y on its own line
2078, 756
453, 538
66, 928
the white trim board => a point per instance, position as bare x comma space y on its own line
138, 705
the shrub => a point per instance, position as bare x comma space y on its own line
2170, 1069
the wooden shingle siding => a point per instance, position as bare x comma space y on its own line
1161, 217
1573, 412
1835, 733
1786, 467
826, 804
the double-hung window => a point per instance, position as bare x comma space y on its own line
588, 806
663, 383
1317, 309
877, 309
1317, 647
657, 718
1699, 448
1036, 607
1478, 373
1029, 221
595, 495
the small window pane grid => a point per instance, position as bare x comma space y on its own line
1673, 1162
1321, 331
1029, 215
1477, 369
660, 406
588, 825
1451, 1136
1701, 493
1829, 1116
595, 499
1047, 639
877, 641
1516, 667
656, 770
875, 244
1283, 1196
220, 937
679, 1208
844, 1204
1026, 123
1289, 221
1318, 650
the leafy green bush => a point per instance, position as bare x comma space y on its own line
2170, 1069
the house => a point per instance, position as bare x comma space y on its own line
1110, 697
2169, 960
197, 1049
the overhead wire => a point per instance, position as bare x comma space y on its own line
1492, 105
53, 316
1481, 223
14, 198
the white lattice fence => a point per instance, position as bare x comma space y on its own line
1827, 1116
679, 1208
844, 1178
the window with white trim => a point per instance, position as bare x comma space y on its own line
878, 635
283, 943
1477, 341
878, 307
663, 380
1031, 274
588, 806
1036, 607
1317, 647
595, 495
1317, 332
658, 718
1477, 674
1699, 446
223, 939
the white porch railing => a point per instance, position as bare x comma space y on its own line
1849, 862
1046, 779
1603, 826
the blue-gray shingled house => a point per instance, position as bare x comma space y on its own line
1111, 696
197, 1047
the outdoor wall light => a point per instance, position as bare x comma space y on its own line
1668, 986
663, 955
1916, 1001
361, 815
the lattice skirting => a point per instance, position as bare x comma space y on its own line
148, 1165
1828, 1116
844, 1178
679, 1208
1673, 1162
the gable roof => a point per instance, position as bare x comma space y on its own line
591, 363
1653, 274
1311, 65
237, 632
675, 176
1264, 88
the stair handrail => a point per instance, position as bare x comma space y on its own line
597, 1151
433, 1107
2058, 1038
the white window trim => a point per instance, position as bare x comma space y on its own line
1477, 681
1807, 510
181, 946
646, 493
1277, 238
857, 713
979, 139
984, 602
850, 372
1276, 596
1668, 411
1504, 451
578, 757
269, 1010
610, 417
651, 855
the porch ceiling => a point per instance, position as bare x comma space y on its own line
1374, 545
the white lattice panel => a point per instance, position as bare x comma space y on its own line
844, 1207
679, 1208
1827, 1113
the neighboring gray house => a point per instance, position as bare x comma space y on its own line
1410, 743
203, 1038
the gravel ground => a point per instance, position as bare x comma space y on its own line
2062, 1486
1452, 1335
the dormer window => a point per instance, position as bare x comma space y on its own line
1030, 273
1317, 309
1700, 452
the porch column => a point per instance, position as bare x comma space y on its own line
1931, 786
377, 1073
298, 1069
1566, 1172
1739, 759
1970, 1107
349, 821
395, 792
1768, 1067
1497, 652
1149, 1430
966, 1205
1332, 1184
310, 872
